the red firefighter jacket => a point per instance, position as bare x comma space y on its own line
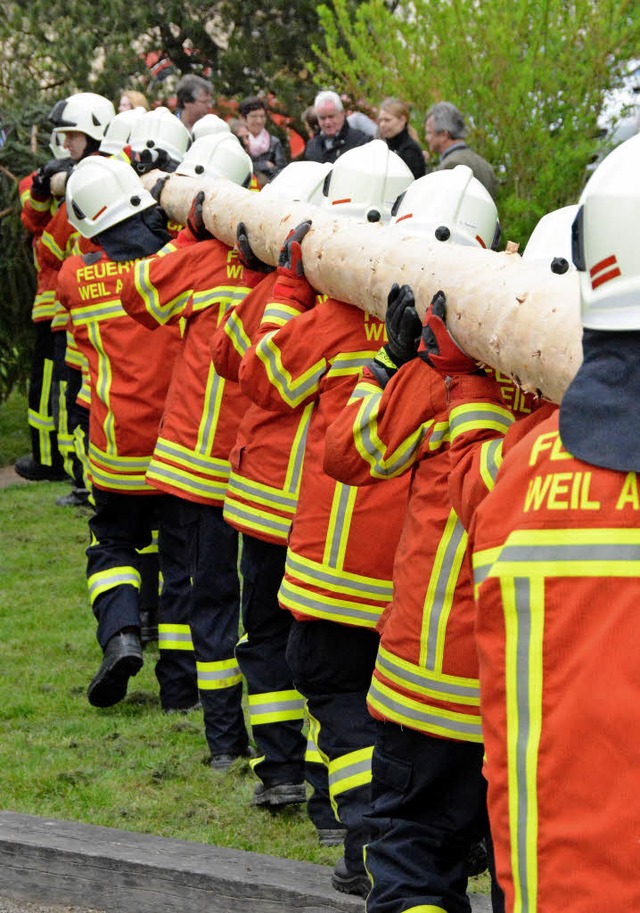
36, 216
426, 674
267, 459
343, 538
556, 558
130, 370
193, 284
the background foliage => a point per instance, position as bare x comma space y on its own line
530, 75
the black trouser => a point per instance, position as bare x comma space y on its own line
44, 445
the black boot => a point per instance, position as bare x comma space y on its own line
122, 659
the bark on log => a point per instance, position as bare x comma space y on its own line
521, 320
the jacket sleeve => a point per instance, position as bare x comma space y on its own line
482, 428
380, 434
58, 240
239, 329
35, 214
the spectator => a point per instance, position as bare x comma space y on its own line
131, 99
239, 128
310, 120
394, 129
336, 134
194, 96
266, 151
445, 131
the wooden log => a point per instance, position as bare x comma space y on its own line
519, 319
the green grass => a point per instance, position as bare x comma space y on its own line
14, 434
130, 766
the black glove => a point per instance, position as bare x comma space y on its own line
195, 219
158, 187
290, 260
41, 185
247, 256
403, 325
438, 347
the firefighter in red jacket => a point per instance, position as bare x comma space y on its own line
82, 118
130, 371
555, 545
429, 796
337, 576
196, 280
266, 467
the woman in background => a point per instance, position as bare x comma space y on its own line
400, 137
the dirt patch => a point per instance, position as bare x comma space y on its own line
8, 476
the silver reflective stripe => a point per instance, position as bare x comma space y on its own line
444, 583
320, 606
486, 417
242, 485
425, 679
423, 715
324, 576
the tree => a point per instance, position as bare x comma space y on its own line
529, 75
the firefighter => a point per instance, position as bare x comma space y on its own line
261, 498
337, 576
195, 281
429, 807
555, 542
81, 120
130, 371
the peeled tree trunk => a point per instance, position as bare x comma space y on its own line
521, 320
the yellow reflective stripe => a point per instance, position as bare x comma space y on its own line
275, 707
150, 297
523, 605
102, 581
278, 312
490, 461
312, 755
174, 637
340, 610
425, 682
342, 506
346, 363
207, 427
79, 444
103, 387
243, 487
425, 908
234, 329
115, 462
404, 710
441, 591
479, 416
368, 442
36, 205
212, 676
48, 241
350, 771
212, 488
293, 391
598, 552
315, 573
296, 456
184, 456
106, 310
247, 516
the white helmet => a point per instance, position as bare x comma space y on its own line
303, 181
101, 192
56, 144
117, 134
85, 112
208, 124
550, 243
365, 182
605, 244
218, 155
157, 136
450, 205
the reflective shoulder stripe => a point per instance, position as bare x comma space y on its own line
479, 416
490, 461
279, 313
346, 363
292, 390
236, 333
48, 241
149, 295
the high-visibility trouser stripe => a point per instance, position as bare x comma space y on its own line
350, 771
562, 553
342, 611
439, 721
103, 581
213, 676
314, 573
152, 548
369, 444
251, 520
441, 592
42, 420
523, 605
149, 295
293, 392
275, 707
425, 682
182, 481
425, 908
236, 333
312, 754
174, 637
65, 436
342, 505
490, 461
479, 416
79, 444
